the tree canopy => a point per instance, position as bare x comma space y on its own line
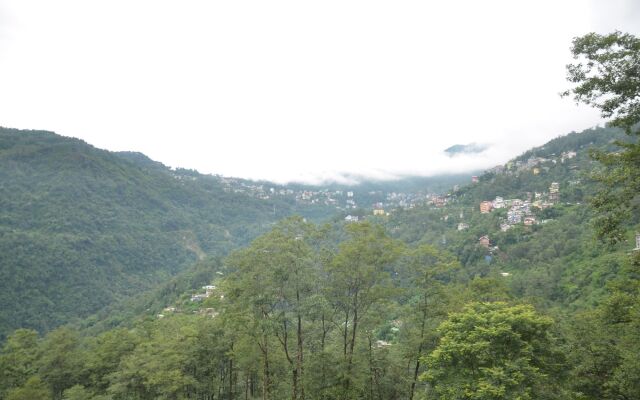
607, 77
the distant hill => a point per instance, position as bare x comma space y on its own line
522, 249
554, 262
470, 148
82, 227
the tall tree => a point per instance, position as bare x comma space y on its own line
495, 351
270, 287
607, 77
358, 281
61, 360
17, 359
33, 389
430, 270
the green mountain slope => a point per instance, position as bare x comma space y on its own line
555, 261
391, 307
82, 227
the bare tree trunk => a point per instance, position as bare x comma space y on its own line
266, 384
417, 369
352, 343
370, 367
323, 365
346, 332
300, 355
231, 377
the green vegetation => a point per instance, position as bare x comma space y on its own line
606, 77
347, 312
407, 306
495, 351
82, 228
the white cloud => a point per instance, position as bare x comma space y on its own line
290, 90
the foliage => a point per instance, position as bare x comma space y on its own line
32, 389
83, 228
338, 311
607, 75
494, 351
606, 78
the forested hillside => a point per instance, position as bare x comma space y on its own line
82, 227
414, 304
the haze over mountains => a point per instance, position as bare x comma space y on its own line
82, 228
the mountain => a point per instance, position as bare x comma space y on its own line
82, 227
425, 292
528, 253
554, 260
471, 148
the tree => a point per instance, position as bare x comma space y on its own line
33, 389
430, 270
61, 362
105, 354
268, 292
77, 392
607, 77
358, 281
494, 351
17, 359
158, 367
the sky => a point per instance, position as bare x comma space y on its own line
300, 90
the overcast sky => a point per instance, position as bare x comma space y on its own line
299, 90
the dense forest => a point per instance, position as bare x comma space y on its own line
522, 285
82, 229
399, 306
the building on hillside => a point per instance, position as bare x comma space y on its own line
351, 218
474, 179
439, 201
199, 297
567, 155
529, 220
554, 192
484, 241
462, 226
536, 171
378, 211
485, 207
498, 202
513, 203
505, 227
514, 217
637, 241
